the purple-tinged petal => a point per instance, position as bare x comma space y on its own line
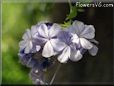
54, 30
88, 32
94, 41
93, 51
57, 44
65, 37
77, 27
26, 59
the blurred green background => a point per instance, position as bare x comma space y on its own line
17, 17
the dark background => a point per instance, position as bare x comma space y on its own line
90, 70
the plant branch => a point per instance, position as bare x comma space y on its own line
53, 78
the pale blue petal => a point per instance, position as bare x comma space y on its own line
85, 43
34, 31
88, 32
43, 30
75, 39
76, 55
65, 37
37, 47
42, 40
28, 47
48, 50
63, 58
77, 27
93, 51
54, 30
22, 44
29, 34
57, 45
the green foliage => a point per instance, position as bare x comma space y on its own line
66, 24
16, 18
72, 14
73, 11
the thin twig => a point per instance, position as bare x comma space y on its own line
53, 78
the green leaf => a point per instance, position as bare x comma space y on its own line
73, 13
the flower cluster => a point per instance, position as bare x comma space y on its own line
68, 44
45, 40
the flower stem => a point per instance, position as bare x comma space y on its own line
53, 78
70, 5
70, 10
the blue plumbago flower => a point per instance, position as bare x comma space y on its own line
47, 39
69, 44
29, 47
68, 49
26, 59
37, 76
31, 60
29, 44
83, 35
48, 35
